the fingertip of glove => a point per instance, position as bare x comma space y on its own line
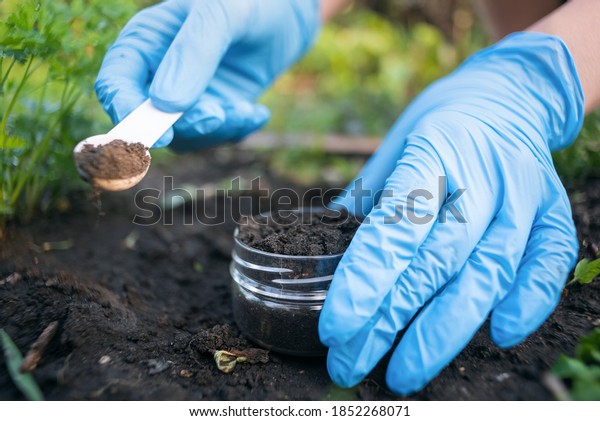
246, 116
337, 322
164, 140
171, 105
503, 335
340, 371
209, 125
261, 115
402, 383
506, 342
162, 98
325, 332
330, 331
404, 389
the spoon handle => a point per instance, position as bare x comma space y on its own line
146, 124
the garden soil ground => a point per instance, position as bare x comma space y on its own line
138, 306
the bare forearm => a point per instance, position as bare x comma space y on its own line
330, 8
504, 17
577, 24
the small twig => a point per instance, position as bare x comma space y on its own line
57, 245
556, 387
337, 144
11, 279
52, 245
37, 348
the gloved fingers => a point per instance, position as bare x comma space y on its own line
216, 124
438, 260
128, 66
192, 58
551, 253
349, 363
384, 244
121, 99
206, 116
165, 139
453, 316
241, 119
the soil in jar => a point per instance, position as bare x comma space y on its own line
282, 325
307, 234
115, 160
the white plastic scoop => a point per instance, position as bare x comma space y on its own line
145, 125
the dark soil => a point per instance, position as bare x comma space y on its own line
115, 160
300, 234
138, 307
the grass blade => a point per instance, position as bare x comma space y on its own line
24, 381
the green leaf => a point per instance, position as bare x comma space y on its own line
580, 267
570, 368
11, 142
5, 210
586, 390
336, 393
589, 348
583, 372
24, 381
586, 271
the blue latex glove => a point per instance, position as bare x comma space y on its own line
211, 59
488, 128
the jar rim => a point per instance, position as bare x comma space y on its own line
284, 256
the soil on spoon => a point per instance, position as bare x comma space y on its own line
115, 160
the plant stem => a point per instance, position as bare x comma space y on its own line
40, 104
68, 100
15, 96
5, 75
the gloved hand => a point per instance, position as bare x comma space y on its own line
503, 246
211, 59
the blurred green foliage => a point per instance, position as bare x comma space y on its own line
582, 372
311, 166
357, 79
13, 359
581, 160
50, 52
365, 69
361, 73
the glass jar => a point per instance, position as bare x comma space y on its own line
277, 299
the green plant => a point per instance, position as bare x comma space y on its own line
24, 381
50, 52
586, 271
311, 166
363, 70
583, 371
581, 160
